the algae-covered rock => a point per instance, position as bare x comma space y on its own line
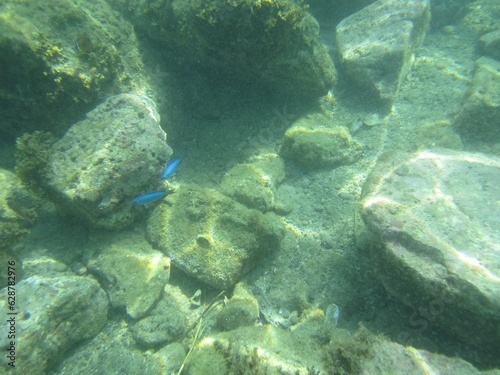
254, 184
376, 44
366, 353
272, 42
104, 161
53, 315
241, 310
436, 217
58, 61
212, 237
133, 273
313, 144
479, 118
482, 16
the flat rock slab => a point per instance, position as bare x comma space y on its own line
212, 237
53, 315
117, 153
376, 44
437, 215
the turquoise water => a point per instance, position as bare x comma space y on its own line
336, 208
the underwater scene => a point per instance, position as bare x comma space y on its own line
205, 187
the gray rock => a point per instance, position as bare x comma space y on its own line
479, 118
53, 315
490, 44
131, 271
168, 321
436, 215
104, 161
376, 44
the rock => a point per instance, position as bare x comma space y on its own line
376, 355
482, 16
47, 82
490, 44
112, 351
313, 144
264, 349
53, 315
168, 321
435, 215
132, 273
210, 236
274, 43
479, 118
18, 210
376, 44
254, 184
241, 310
104, 161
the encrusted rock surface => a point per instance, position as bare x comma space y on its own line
376, 44
103, 162
437, 216
53, 315
212, 237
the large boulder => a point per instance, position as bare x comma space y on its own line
58, 61
274, 42
212, 237
376, 44
104, 161
437, 217
53, 314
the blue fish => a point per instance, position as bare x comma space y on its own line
149, 197
171, 167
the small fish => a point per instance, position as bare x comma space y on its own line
171, 167
149, 197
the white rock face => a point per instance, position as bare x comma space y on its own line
437, 215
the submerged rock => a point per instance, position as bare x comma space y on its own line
59, 60
479, 118
254, 184
275, 43
437, 215
312, 143
376, 44
104, 161
53, 315
212, 237
132, 273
